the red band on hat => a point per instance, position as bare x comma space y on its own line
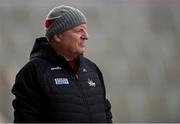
48, 23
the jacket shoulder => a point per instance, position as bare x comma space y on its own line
29, 68
90, 63
93, 66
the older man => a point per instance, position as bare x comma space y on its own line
59, 84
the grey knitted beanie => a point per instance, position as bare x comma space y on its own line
62, 18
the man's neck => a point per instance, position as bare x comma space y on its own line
66, 55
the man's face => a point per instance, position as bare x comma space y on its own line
74, 40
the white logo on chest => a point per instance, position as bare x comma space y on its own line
61, 81
91, 83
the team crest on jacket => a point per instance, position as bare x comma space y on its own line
91, 83
61, 81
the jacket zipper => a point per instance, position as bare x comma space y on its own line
84, 98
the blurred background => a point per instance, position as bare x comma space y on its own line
134, 42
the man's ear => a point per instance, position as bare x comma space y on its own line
57, 38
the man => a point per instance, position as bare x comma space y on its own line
59, 84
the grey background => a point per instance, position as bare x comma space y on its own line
134, 42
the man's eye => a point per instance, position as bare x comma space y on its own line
77, 31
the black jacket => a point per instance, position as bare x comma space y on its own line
48, 90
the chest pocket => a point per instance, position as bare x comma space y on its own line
91, 83
92, 87
59, 82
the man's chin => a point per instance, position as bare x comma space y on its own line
81, 52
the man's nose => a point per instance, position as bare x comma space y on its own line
85, 35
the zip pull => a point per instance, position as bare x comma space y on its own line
77, 77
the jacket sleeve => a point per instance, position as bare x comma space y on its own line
27, 101
107, 103
108, 111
